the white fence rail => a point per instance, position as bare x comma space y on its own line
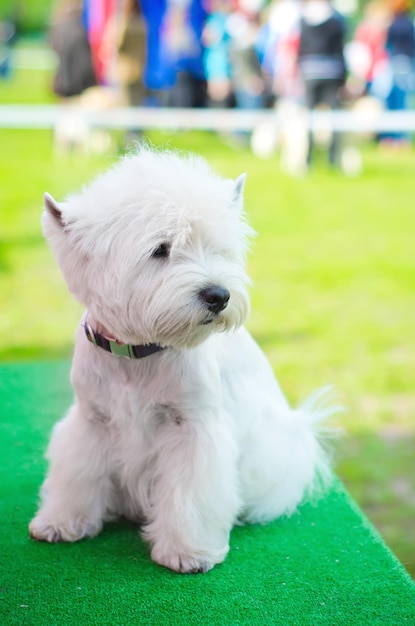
39, 116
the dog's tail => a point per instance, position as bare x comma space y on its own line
316, 413
295, 461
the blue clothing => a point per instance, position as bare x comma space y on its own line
401, 36
162, 65
156, 74
216, 55
400, 43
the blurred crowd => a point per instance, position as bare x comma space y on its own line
247, 54
244, 53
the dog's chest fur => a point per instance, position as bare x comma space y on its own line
136, 405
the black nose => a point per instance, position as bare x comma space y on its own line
215, 298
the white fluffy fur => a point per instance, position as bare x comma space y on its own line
193, 439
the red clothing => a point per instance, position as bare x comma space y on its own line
373, 35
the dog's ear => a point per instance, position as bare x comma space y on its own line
238, 191
52, 208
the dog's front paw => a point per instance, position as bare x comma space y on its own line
187, 562
53, 531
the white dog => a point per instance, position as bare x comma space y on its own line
178, 421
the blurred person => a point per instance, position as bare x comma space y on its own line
400, 45
247, 79
157, 75
123, 45
129, 38
216, 57
96, 16
370, 36
368, 81
246, 72
182, 53
174, 74
68, 38
7, 40
76, 83
289, 133
321, 63
281, 50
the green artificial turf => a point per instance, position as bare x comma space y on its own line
325, 565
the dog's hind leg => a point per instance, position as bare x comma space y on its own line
77, 491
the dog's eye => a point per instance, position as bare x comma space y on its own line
162, 251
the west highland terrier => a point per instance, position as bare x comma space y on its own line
178, 421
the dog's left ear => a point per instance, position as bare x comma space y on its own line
52, 208
238, 191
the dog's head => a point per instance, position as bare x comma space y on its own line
155, 249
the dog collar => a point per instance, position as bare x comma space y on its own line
118, 348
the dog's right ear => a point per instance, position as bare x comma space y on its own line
53, 209
238, 191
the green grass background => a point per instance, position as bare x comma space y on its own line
333, 298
